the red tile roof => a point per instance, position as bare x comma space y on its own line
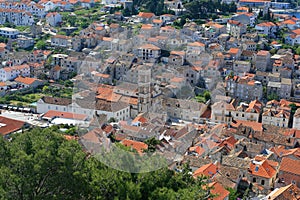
196, 44
70, 137
281, 151
16, 67
157, 21
147, 27
243, 8
254, 106
138, 146
290, 192
263, 168
146, 15
62, 37
67, 115
140, 118
106, 92
206, 170
289, 21
229, 142
297, 31
267, 24
8, 125
94, 136
149, 46
291, 166
254, 125
26, 80
233, 51
197, 149
218, 190
262, 53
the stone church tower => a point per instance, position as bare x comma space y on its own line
144, 89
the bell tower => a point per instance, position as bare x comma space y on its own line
144, 89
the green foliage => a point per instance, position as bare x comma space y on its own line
3, 39
233, 195
22, 28
165, 184
273, 51
165, 53
68, 83
9, 25
298, 50
126, 12
293, 108
203, 8
152, 142
265, 91
206, 95
41, 45
111, 120
272, 96
246, 194
20, 98
33, 165
61, 33
65, 92
200, 99
267, 16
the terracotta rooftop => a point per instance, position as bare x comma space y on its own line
281, 151
94, 136
26, 80
138, 146
16, 68
62, 37
140, 119
149, 46
8, 125
263, 168
206, 170
196, 44
218, 190
290, 192
254, 125
262, 53
291, 166
233, 51
266, 24
68, 115
243, 8
146, 15
296, 31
